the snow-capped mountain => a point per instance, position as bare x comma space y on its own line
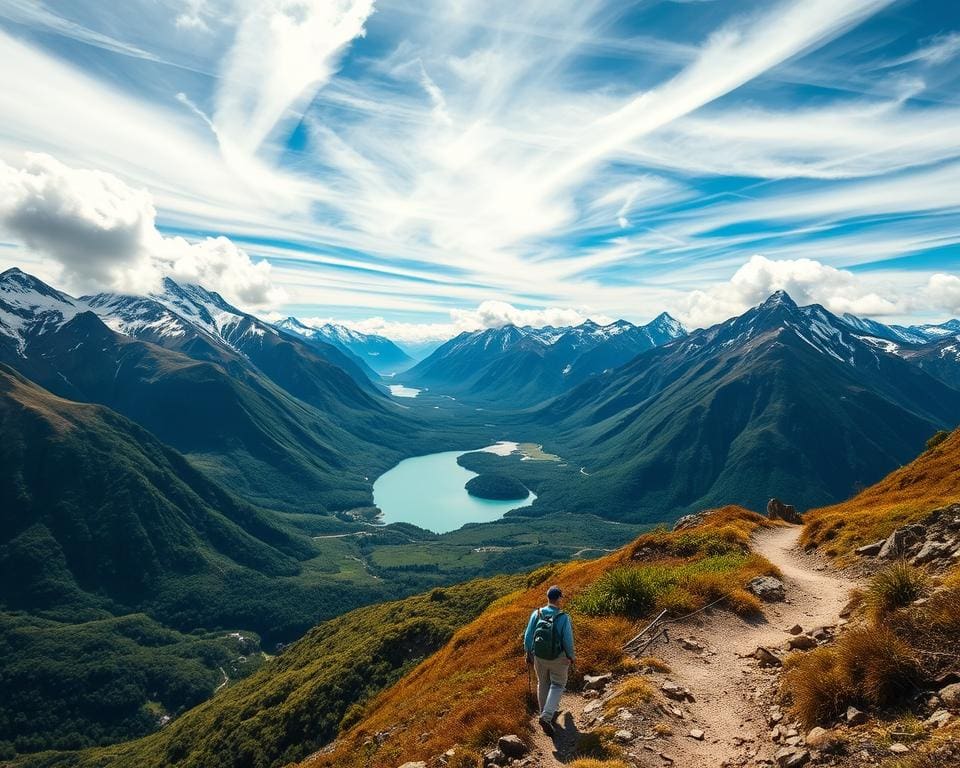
30, 307
378, 352
782, 400
532, 364
896, 333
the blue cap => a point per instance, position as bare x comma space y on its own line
554, 592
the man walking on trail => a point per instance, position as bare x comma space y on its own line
549, 645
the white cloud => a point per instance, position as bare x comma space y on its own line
943, 292
103, 235
806, 280
488, 314
281, 49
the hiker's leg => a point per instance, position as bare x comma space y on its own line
543, 681
559, 669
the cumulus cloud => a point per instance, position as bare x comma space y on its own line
806, 280
943, 292
103, 234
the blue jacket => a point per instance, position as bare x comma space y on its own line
564, 626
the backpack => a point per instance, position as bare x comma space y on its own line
547, 642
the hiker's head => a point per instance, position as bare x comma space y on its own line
554, 594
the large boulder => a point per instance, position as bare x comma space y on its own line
767, 588
950, 695
777, 510
512, 746
898, 543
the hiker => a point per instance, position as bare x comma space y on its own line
549, 645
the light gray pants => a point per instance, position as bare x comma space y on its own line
551, 680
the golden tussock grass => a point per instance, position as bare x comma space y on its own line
475, 688
592, 762
632, 693
905, 496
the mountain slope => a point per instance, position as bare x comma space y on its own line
528, 365
296, 703
782, 401
271, 430
377, 352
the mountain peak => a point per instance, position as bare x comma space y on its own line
779, 299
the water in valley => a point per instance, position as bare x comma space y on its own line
428, 492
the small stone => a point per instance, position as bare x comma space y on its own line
417, 764
898, 748
801, 643
597, 682
791, 757
690, 644
793, 741
593, 706
623, 736
696, 733
776, 715
512, 746
950, 695
855, 716
673, 691
870, 550
939, 718
796, 629
766, 657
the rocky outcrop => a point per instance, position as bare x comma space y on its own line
933, 542
777, 510
690, 521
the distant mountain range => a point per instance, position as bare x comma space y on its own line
377, 352
784, 400
526, 365
261, 410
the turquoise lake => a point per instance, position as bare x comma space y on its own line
428, 492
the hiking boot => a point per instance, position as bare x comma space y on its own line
546, 726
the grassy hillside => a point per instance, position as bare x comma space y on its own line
474, 688
297, 701
904, 496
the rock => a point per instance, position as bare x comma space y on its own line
932, 550
870, 550
493, 757
512, 746
596, 682
623, 736
939, 718
855, 717
690, 521
820, 633
898, 748
696, 733
417, 764
767, 588
791, 757
796, 629
801, 643
775, 716
777, 510
822, 739
673, 691
766, 657
593, 706
950, 696
898, 543
690, 644
793, 741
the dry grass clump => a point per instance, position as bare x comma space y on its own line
632, 693
654, 663
866, 666
893, 588
597, 744
904, 496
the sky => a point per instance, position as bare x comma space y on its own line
417, 167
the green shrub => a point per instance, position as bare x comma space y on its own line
626, 591
938, 437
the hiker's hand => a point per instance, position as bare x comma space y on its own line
571, 663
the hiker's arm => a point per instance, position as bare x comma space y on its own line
568, 639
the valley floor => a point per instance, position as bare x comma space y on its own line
732, 694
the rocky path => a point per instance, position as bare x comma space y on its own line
729, 719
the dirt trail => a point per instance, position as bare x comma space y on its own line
731, 692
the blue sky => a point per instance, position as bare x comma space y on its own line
421, 167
